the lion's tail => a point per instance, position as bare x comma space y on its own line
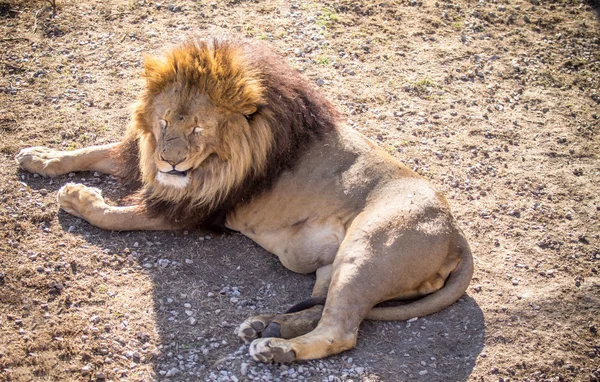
456, 284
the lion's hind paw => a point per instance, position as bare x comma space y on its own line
252, 328
272, 350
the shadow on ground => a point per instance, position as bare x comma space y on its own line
204, 286
595, 4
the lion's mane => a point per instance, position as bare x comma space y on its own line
283, 112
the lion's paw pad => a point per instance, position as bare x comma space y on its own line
40, 160
76, 199
272, 350
250, 329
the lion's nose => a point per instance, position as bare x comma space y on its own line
170, 161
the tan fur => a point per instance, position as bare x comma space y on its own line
208, 129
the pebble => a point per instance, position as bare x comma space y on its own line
172, 372
86, 369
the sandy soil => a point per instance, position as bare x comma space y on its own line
497, 102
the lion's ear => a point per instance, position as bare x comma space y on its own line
248, 110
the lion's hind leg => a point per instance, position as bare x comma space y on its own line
300, 319
337, 328
368, 269
50, 162
286, 325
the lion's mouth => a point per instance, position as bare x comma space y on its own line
177, 173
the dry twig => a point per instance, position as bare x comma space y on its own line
53, 4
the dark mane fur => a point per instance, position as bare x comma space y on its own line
297, 115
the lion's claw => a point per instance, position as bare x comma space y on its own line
41, 160
272, 350
77, 199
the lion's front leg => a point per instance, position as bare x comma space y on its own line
87, 203
50, 162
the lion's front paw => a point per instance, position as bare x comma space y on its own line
79, 200
252, 328
272, 350
41, 160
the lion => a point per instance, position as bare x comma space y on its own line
225, 134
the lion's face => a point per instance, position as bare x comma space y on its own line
185, 127
201, 128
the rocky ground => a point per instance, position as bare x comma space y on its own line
497, 102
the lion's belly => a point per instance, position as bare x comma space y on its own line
303, 245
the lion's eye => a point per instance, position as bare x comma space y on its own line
198, 130
162, 124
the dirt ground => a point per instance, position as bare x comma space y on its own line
497, 102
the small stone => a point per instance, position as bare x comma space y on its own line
94, 319
422, 372
172, 372
86, 369
515, 282
359, 370
320, 82
244, 368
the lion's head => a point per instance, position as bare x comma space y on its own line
217, 122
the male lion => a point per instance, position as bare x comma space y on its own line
226, 134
